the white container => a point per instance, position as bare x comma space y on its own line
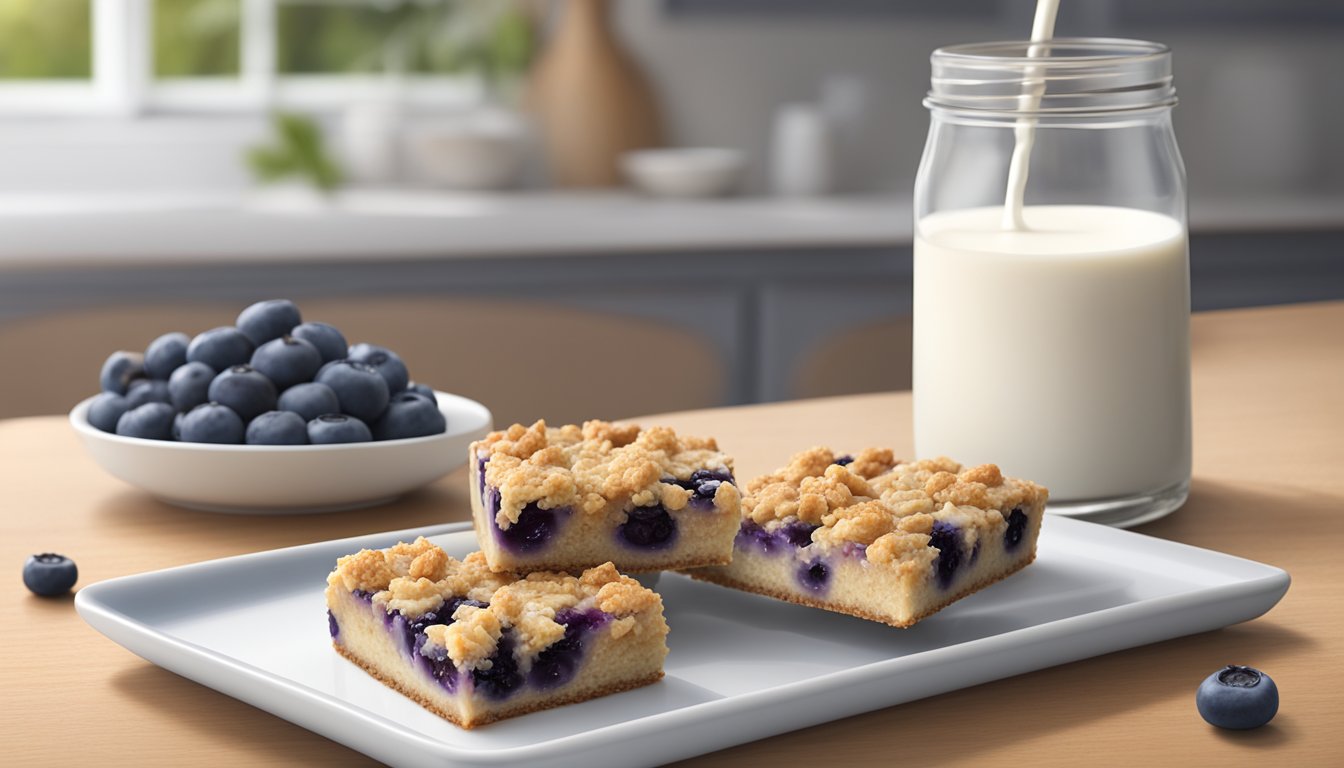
1056, 347
684, 173
481, 150
802, 162
371, 141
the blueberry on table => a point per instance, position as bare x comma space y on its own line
361, 390
278, 428
329, 341
211, 423
337, 428
386, 362
189, 386
105, 409
147, 391
220, 348
119, 370
151, 421
1238, 698
268, 320
309, 400
409, 414
166, 354
287, 361
49, 574
245, 390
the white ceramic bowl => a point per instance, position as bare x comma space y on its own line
695, 172
483, 150
286, 479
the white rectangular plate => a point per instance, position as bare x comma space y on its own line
741, 667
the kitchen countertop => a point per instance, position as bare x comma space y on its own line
1269, 408
56, 231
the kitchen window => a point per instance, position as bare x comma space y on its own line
129, 57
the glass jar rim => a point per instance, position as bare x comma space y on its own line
1069, 76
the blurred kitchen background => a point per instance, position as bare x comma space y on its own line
448, 178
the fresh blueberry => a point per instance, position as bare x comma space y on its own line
309, 400
147, 391
947, 538
166, 354
120, 369
422, 389
361, 390
105, 409
1238, 698
245, 390
386, 362
268, 320
287, 361
211, 423
330, 342
189, 386
177, 425
337, 428
49, 574
409, 414
649, 527
151, 421
278, 428
220, 348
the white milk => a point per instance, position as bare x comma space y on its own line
1060, 352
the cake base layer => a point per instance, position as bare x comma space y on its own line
858, 595
500, 714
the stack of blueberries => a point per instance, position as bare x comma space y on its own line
272, 379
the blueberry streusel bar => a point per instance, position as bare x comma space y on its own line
872, 537
474, 646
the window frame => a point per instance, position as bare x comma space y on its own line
123, 83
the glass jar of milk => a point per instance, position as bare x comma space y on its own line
1051, 282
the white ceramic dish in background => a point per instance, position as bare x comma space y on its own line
695, 172
741, 667
480, 150
285, 479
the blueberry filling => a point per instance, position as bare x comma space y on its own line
814, 576
1017, 526
413, 638
533, 529
703, 484
648, 528
502, 679
556, 665
947, 538
844, 461
481, 461
795, 535
333, 626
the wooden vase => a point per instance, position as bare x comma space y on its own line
590, 98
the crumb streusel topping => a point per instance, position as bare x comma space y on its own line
420, 577
597, 467
886, 505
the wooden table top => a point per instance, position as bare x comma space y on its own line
1268, 485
